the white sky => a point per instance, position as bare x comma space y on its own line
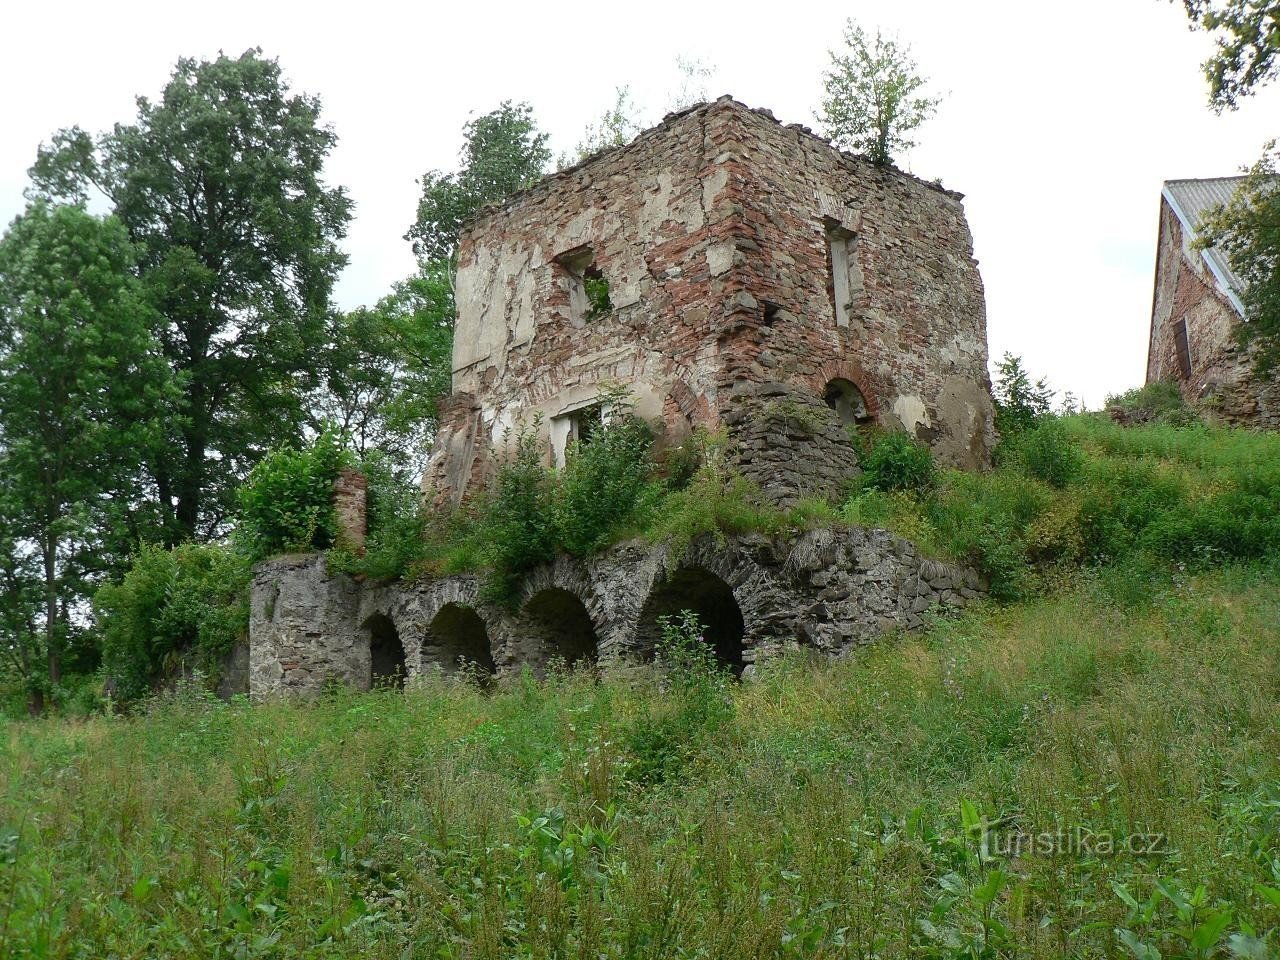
1060, 124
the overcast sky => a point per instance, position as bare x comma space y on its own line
1059, 125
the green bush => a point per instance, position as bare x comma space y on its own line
517, 521
1047, 452
605, 485
286, 504
396, 524
897, 461
1159, 402
191, 600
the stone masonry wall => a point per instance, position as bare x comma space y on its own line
712, 231
827, 590
1221, 381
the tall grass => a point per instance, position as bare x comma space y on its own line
821, 810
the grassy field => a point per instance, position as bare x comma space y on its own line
1072, 776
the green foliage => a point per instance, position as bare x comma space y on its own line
503, 151
668, 736
1247, 38
1246, 229
1019, 403
396, 524
1047, 452
897, 461
873, 102
286, 504
616, 127
868, 807
517, 522
1159, 402
82, 395
219, 184
190, 601
606, 485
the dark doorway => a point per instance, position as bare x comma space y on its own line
847, 401
457, 641
711, 599
386, 653
560, 621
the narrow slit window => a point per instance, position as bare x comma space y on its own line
846, 275
1182, 348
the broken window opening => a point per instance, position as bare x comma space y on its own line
770, 315
579, 426
1183, 349
847, 401
588, 287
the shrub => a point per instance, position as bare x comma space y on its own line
1047, 452
517, 521
395, 538
605, 485
1159, 402
192, 600
897, 461
286, 504
1019, 402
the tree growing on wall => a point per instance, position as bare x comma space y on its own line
503, 151
873, 96
1247, 39
81, 382
219, 184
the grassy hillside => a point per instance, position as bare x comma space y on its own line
827, 809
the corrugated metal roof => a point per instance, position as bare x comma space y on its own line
1191, 200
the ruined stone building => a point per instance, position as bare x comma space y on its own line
726, 271
1197, 309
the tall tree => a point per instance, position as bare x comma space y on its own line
503, 151
1247, 38
81, 381
386, 368
219, 184
873, 98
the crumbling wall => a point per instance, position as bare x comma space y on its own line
828, 590
714, 233
898, 311
1220, 380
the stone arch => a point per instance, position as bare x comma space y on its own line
387, 665
847, 400
458, 639
870, 388
710, 597
559, 621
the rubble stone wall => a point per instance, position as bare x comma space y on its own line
829, 590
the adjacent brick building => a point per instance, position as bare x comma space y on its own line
726, 270
1197, 310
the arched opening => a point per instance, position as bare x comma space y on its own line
560, 621
458, 641
847, 401
707, 596
386, 652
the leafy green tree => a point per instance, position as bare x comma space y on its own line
1247, 35
1248, 229
503, 151
1020, 403
219, 185
386, 367
617, 126
873, 98
81, 383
